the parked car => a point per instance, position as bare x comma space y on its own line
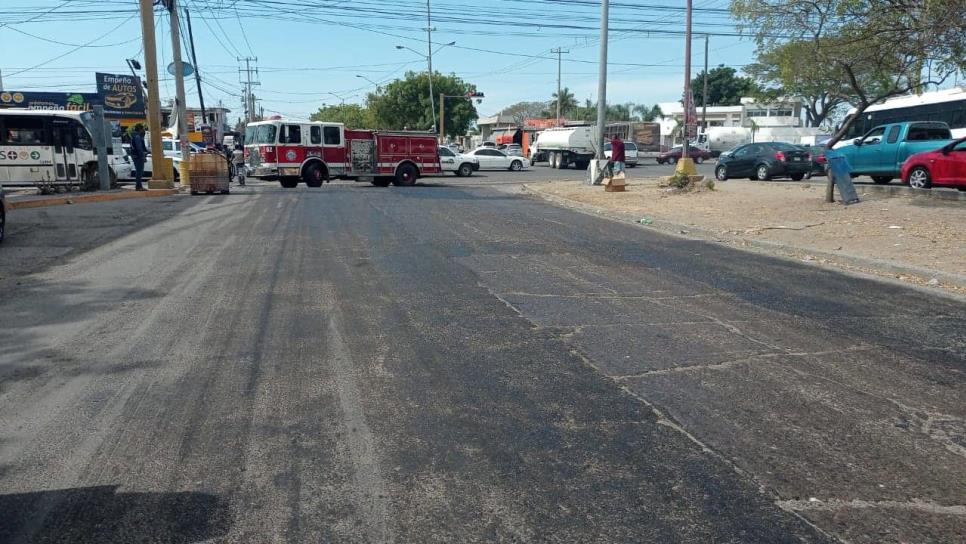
514, 149
457, 163
819, 162
630, 153
494, 159
126, 172
673, 155
3, 213
944, 166
488, 144
764, 161
883, 150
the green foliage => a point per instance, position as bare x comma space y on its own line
352, 115
617, 112
867, 51
787, 70
521, 111
725, 87
568, 103
405, 103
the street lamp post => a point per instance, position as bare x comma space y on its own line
429, 60
369, 80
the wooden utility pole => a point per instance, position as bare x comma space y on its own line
194, 61
704, 99
442, 117
179, 88
160, 176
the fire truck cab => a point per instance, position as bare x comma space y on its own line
317, 152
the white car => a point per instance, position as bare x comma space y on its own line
630, 153
494, 159
457, 163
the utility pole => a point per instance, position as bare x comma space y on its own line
194, 60
685, 165
1, 80
704, 100
442, 117
429, 60
602, 78
249, 99
559, 52
159, 179
179, 88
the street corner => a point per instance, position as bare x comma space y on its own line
25, 201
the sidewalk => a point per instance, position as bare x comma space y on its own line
914, 240
29, 199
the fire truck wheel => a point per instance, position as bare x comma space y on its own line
465, 171
406, 175
381, 182
313, 175
289, 183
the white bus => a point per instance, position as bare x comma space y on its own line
50, 148
948, 106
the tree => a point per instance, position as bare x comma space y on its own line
877, 49
405, 104
643, 113
352, 115
725, 87
568, 103
786, 70
521, 111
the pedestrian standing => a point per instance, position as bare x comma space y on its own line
238, 161
139, 154
617, 155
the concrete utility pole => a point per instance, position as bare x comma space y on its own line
1, 80
704, 100
559, 52
602, 78
184, 171
159, 171
442, 117
249, 98
100, 143
429, 60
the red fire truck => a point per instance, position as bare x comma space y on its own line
316, 152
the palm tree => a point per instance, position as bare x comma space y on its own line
567, 102
643, 113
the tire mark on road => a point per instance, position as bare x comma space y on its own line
370, 488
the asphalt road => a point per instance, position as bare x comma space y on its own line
457, 362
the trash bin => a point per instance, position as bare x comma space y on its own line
840, 172
208, 172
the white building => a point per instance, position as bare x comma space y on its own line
784, 115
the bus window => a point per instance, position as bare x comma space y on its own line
82, 137
24, 131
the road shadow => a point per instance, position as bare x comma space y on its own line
101, 514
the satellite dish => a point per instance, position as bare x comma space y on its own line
187, 68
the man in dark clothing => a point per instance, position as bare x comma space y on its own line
139, 154
617, 154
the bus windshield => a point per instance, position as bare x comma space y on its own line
261, 134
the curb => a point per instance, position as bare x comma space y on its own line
938, 193
18, 203
864, 266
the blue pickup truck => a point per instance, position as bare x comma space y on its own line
881, 152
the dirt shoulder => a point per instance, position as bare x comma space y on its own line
915, 240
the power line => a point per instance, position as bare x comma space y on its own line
58, 57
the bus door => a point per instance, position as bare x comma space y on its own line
65, 156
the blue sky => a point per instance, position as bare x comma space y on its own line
308, 49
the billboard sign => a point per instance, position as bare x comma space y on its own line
48, 101
121, 95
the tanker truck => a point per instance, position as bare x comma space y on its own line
565, 146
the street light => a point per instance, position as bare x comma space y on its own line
338, 97
429, 61
369, 80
